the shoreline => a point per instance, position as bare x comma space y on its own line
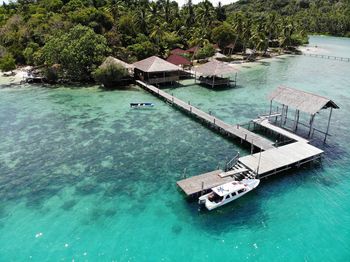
22, 72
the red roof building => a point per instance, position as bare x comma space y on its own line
178, 51
193, 49
178, 60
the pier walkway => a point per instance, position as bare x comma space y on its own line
270, 160
331, 57
231, 130
264, 122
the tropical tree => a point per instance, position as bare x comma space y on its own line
223, 34
78, 52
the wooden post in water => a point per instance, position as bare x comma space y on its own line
236, 79
311, 123
285, 118
282, 115
257, 170
270, 107
329, 122
296, 124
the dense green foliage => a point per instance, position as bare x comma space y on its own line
316, 16
78, 52
77, 34
7, 63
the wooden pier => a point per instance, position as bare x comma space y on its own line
269, 161
217, 124
330, 57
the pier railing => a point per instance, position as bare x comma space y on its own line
230, 164
163, 79
338, 58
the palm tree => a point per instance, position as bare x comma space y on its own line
141, 16
190, 15
205, 13
238, 27
270, 27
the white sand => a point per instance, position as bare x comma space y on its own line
20, 75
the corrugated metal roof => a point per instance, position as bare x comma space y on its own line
155, 64
216, 68
301, 100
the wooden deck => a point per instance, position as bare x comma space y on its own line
264, 122
284, 157
231, 130
269, 161
202, 183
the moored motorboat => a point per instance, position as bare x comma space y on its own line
228, 192
141, 105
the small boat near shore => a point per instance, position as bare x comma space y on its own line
141, 105
228, 192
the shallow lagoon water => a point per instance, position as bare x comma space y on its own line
85, 178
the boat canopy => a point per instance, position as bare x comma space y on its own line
228, 188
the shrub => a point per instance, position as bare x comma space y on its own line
207, 51
109, 75
7, 63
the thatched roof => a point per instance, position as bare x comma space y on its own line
112, 60
155, 64
178, 60
216, 68
301, 100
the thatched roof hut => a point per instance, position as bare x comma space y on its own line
215, 68
301, 101
212, 73
112, 60
155, 70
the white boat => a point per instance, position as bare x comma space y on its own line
228, 192
141, 105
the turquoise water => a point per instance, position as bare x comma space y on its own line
85, 178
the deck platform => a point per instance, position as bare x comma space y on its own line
264, 122
219, 125
270, 160
283, 157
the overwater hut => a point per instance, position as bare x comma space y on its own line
178, 60
300, 101
216, 73
155, 70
